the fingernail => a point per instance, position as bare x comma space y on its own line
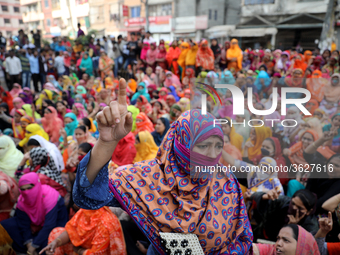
117, 120
113, 126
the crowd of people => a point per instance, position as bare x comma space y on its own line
94, 164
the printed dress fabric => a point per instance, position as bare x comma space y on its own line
160, 195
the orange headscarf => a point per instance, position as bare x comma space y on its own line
132, 85
205, 56
145, 125
98, 231
314, 104
301, 64
307, 55
185, 47
235, 52
261, 134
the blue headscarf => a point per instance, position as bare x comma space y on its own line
159, 137
267, 80
143, 92
226, 78
70, 127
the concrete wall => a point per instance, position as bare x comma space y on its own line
282, 7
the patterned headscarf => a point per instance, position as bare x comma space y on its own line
44, 164
161, 196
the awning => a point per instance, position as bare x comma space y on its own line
253, 32
220, 31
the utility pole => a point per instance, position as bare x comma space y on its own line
145, 2
328, 27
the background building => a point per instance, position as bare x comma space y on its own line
10, 17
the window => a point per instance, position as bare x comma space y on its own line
48, 22
21, 22
7, 21
55, 4
32, 8
252, 2
160, 10
4, 8
210, 14
46, 3
9, 33
135, 12
16, 9
97, 14
215, 14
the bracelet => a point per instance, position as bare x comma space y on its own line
58, 239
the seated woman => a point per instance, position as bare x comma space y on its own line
271, 147
82, 134
43, 164
161, 128
88, 232
261, 178
272, 211
334, 125
296, 157
143, 123
125, 151
9, 193
52, 124
10, 156
145, 146
292, 239
31, 130
38, 141
40, 209
252, 147
176, 191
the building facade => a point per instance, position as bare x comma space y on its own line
281, 24
55, 17
10, 17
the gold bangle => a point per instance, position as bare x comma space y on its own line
58, 239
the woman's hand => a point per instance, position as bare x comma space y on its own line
62, 133
50, 249
296, 219
326, 224
271, 195
248, 144
115, 122
286, 152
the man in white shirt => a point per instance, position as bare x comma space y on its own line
148, 38
59, 64
13, 69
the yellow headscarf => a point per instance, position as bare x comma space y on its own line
235, 52
261, 134
147, 148
29, 112
43, 97
31, 130
190, 59
97, 86
93, 126
185, 104
67, 82
235, 138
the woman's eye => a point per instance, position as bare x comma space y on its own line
202, 146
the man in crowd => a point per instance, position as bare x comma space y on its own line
26, 70
13, 69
